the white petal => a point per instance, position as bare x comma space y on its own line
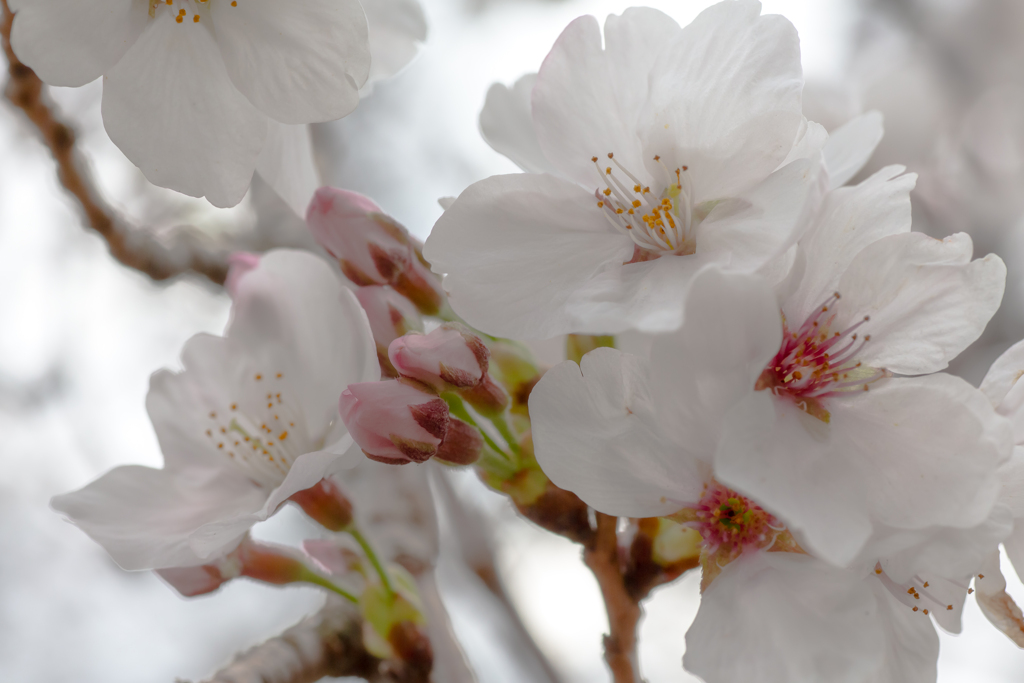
996, 604
210, 539
910, 453
725, 99
746, 232
785, 618
850, 219
170, 107
288, 166
1004, 373
515, 248
1014, 545
1012, 476
297, 62
810, 141
851, 145
506, 123
732, 329
397, 29
71, 43
295, 312
143, 517
595, 434
926, 299
586, 100
911, 643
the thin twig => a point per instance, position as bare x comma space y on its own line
602, 557
134, 246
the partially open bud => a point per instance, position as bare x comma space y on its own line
262, 562
372, 248
395, 421
462, 443
391, 315
326, 504
450, 358
239, 263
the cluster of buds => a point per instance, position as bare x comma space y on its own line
408, 419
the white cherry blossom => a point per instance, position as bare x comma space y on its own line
251, 420
194, 90
663, 151
638, 438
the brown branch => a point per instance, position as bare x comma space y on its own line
602, 556
133, 246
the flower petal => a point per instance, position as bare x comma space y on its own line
143, 516
850, 219
996, 604
911, 453
725, 99
296, 62
396, 30
927, 300
851, 145
746, 232
911, 643
506, 123
287, 164
732, 330
586, 100
1004, 373
514, 250
72, 43
293, 313
595, 434
785, 618
170, 107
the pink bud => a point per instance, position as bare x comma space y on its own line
326, 504
239, 263
391, 315
193, 581
395, 421
372, 248
262, 562
462, 443
445, 358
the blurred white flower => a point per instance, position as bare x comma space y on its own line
665, 151
194, 90
251, 420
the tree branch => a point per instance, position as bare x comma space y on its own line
602, 556
133, 246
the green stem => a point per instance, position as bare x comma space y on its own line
312, 577
501, 424
371, 555
458, 409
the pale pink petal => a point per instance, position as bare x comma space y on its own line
397, 29
596, 434
287, 164
67, 42
851, 145
1004, 373
296, 62
911, 643
506, 123
171, 108
927, 300
725, 99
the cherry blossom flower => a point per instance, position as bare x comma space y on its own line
667, 150
199, 93
637, 438
250, 421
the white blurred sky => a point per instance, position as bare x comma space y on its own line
80, 335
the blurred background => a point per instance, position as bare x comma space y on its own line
80, 334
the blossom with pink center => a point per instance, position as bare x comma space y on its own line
251, 420
650, 154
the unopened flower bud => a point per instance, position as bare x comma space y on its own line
391, 315
394, 626
326, 504
395, 421
372, 248
239, 263
450, 358
262, 562
462, 443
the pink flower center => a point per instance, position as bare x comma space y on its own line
816, 362
658, 223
